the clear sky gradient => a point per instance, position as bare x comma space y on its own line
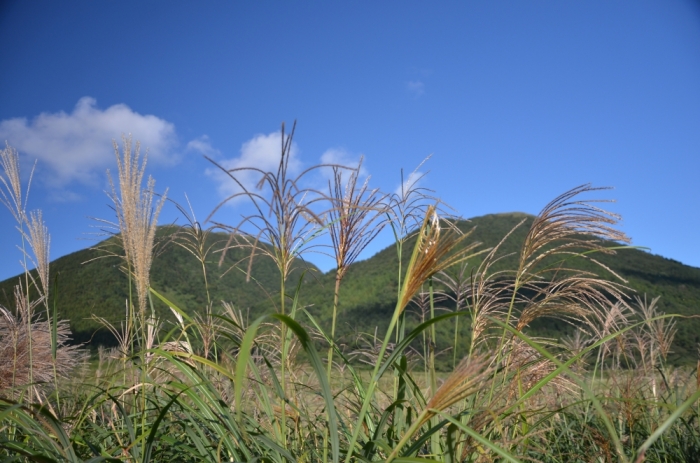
517, 101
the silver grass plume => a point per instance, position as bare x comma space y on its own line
137, 216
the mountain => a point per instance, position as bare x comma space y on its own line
89, 284
368, 293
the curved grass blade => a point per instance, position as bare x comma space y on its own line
244, 354
213, 411
35, 424
424, 438
356, 378
478, 437
401, 346
154, 428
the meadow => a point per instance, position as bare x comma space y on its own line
470, 383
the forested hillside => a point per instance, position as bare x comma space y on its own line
88, 283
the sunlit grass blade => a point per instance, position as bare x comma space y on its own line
171, 305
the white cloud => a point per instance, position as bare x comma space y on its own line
260, 152
340, 157
64, 196
76, 147
415, 87
413, 181
202, 145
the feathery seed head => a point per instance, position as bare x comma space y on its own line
433, 252
40, 242
136, 214
470, 376
283, 211
26, 352
352, 217
11, 195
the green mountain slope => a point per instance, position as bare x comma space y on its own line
368, 293
369, 289
91, 284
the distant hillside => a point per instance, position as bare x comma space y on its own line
368, 293
369, 289
89, 283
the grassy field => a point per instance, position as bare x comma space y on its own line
218, 386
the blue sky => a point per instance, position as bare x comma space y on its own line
516, 101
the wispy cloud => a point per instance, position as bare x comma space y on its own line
415, 87
342, 157
76, 147
203, 146
260, 152
412, 181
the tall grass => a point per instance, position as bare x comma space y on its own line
34, 350
223, 387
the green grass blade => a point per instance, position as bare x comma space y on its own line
154, 428
415, 447
54, 319
171, 305
370, 446
478, 437
57, 430
320, 371
244, 354
666, 424
401, 346
596, 403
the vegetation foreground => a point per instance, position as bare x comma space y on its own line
212, 385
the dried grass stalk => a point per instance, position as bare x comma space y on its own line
545, 283
470, 376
